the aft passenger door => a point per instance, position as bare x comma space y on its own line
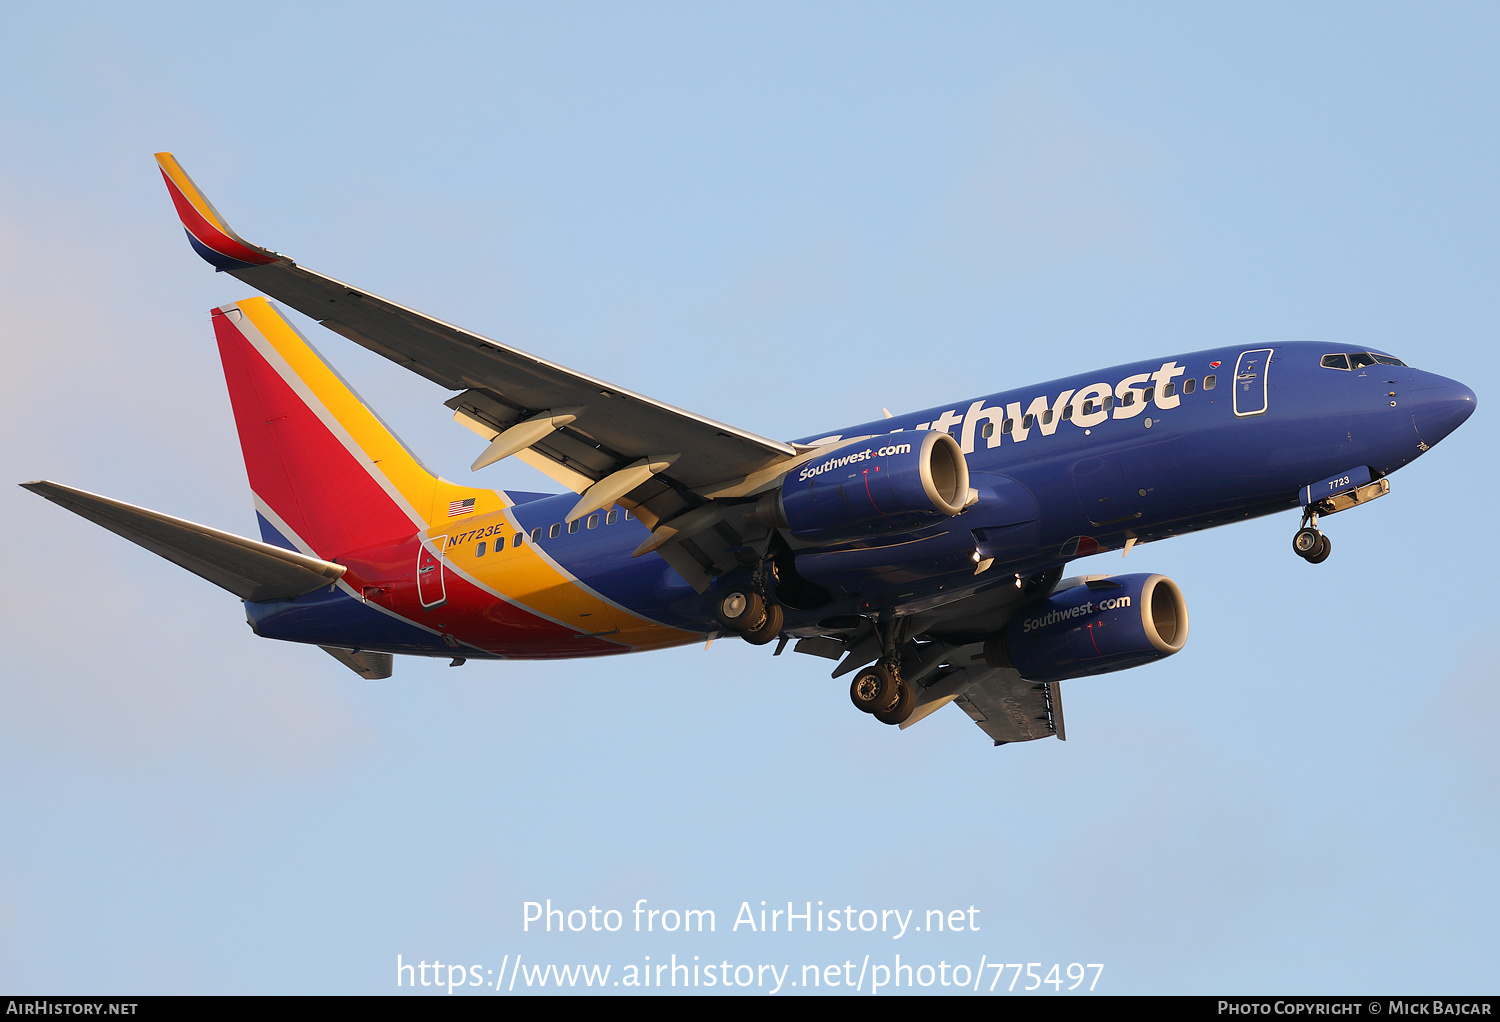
1250, 382
432, 589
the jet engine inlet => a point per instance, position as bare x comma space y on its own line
879, 485
1164, 614
1103, 625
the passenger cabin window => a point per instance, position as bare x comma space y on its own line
1088, 407
1068, 412
1209, 381
1008, 426
593, 522
515, 540
1128, 399
1169, 390
628, 516
1047, 416
1188, 386
536, 535
1335, 362
555, 531
1109, 401
612, 517
988, 430
1027, 420
479, 550
572, 527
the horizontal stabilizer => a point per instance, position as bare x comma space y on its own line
250, 569
366, 663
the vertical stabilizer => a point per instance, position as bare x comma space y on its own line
328, 476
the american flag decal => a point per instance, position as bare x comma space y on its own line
460, 507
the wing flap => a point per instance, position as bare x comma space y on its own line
621, 425
624, 423
250, 569
1009, 708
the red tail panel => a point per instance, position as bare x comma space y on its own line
297, 466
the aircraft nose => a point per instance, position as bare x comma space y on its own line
1438, 406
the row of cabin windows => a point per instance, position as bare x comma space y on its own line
555, 530
1090, 406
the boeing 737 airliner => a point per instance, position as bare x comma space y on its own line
924, 552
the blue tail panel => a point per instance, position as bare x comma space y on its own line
335, 618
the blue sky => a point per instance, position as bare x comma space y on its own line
785, 217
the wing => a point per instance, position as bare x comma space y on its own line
602, 441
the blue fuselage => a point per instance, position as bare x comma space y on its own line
1185, 443
1061, 470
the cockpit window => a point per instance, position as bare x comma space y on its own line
1359, 360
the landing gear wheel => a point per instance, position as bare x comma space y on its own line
741, 610
768, 629
1325, 547
1306, 542
906, 701
873, 689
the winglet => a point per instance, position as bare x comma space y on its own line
211, 237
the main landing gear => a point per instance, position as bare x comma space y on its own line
879, 689
748, 614
1309, 543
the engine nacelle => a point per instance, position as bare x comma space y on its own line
895, 483
1101, 626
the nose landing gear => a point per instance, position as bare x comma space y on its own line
1309, 543
1349, 488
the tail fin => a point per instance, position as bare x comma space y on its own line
328, 476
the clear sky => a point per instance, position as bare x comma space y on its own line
786, 217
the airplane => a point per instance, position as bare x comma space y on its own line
924, 551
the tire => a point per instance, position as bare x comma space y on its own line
1306, 542
872, 688
906, 701
741, 610
768, 629
1325, 547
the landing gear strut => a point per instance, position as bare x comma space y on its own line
1309, 543
748, 613
880, 690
